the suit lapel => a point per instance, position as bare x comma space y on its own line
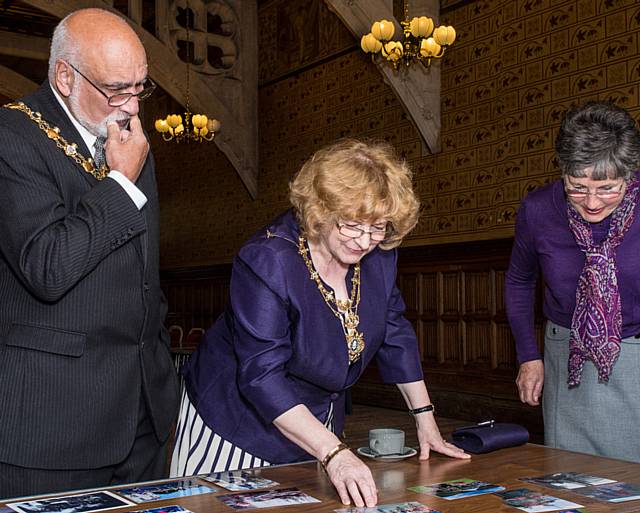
45, 102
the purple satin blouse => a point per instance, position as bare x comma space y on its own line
279, 345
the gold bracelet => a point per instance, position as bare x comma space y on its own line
331, 454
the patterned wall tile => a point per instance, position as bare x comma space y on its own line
514, 70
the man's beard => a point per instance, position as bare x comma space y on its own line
98, 129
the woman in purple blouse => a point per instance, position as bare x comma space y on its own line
582, 234
313, 301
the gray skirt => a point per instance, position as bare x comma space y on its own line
595, 418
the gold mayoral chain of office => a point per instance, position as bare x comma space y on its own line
69, 149
345, 310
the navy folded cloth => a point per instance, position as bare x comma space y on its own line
488, 437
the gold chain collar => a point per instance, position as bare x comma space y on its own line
346, 311
53, 133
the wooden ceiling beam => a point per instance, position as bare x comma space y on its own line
14, 85
24, 46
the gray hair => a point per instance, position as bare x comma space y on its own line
600, 135
61, 47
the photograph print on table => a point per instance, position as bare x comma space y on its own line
267, 499
79, 503
402, 507
567, 480
174, 508
162, 491
457, 489
615, 492
531, 501
238, 480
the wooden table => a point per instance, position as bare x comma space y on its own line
392, 478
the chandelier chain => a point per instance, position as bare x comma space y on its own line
188, 12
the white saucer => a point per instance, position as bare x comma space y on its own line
407, 452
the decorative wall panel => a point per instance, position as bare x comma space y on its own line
429, 347
196, 297
515, 69
430, 296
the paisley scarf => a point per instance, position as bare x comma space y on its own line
596, 325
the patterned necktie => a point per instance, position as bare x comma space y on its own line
98, 152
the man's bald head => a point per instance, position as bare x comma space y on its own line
87, 36
95, 56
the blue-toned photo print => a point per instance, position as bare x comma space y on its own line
402, 507
267, 499
239, 480
567, 480
93, 501
616, 492
162, 491
531, 501
174, 508
457, 489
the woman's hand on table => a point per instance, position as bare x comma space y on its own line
430, 439
353, 480
351, 477
530, 381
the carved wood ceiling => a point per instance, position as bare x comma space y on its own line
230, 95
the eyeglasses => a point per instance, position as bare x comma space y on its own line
355, 231
605, 192
118, 100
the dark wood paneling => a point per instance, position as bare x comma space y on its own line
468, 353
196, 296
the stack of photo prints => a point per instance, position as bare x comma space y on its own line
239, 481
531, 501
252, 492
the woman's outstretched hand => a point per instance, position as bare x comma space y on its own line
352, 479
430, 439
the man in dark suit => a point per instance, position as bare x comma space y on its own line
88, 393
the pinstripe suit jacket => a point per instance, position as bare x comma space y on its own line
81, 312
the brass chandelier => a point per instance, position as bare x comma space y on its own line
422, 40
193, 127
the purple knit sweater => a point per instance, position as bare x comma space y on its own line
544, 243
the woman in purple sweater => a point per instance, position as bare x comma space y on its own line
582, 234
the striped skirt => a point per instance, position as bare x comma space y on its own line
199, 450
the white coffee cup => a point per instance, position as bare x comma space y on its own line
385, 441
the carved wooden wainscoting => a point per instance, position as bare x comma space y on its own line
455, 300
196, 297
